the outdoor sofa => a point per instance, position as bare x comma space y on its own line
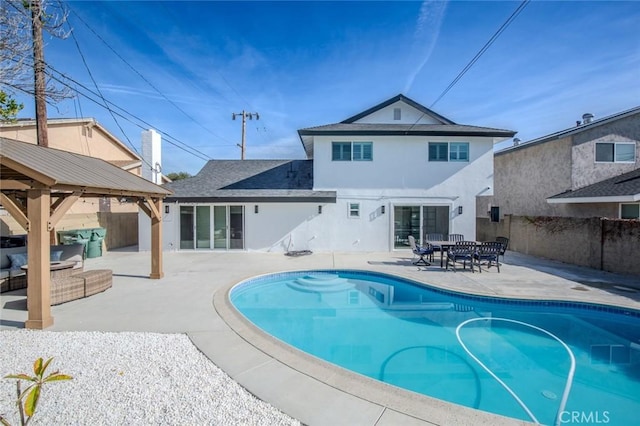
76, 284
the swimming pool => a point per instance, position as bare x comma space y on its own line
510, 357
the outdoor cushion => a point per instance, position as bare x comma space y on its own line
55, 255
17, 260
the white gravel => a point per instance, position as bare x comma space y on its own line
127, 379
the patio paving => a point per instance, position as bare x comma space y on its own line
191, 299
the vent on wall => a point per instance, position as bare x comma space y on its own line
397, 114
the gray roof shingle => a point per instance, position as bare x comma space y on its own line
626, 185
251, 181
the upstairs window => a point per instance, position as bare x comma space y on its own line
459, 151
362, 151
341, 151
449, 151
352, 151
615, 152
438, 151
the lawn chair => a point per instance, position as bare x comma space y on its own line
456, 237
488, 253
420, 251
463, 252
505, 243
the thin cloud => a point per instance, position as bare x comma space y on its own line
426, 35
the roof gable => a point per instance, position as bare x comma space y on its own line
425, 115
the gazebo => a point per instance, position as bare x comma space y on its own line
38, 185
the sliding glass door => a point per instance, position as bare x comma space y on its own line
418, 221
197, 223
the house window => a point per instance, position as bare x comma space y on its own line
459, 151
615, 152
397, 114
630, 211
438, 151
449, 151
354, 210
352, 151
341, 151
362, 151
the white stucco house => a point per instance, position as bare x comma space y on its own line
370, 181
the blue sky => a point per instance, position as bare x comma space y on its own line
185, 67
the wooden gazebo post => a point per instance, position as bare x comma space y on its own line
38, 253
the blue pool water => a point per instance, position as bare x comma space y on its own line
510, 357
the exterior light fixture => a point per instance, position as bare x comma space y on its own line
319, 209
459, 209
382, 209
255, 209
166, 209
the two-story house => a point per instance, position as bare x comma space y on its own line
588, 170
370, 181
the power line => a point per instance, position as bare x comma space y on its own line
144, 78
177, 143
488, 44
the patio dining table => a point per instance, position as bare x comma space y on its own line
445, 245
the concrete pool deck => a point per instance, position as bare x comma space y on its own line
192, 299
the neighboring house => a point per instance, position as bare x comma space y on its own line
87, 137
590, 170
394, 170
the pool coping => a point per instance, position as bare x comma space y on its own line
398, 404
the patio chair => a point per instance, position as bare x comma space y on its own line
488, 253
505, 243
464, 252
456, 237
434, 237
420, 251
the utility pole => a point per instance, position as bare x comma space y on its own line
244, 115
38, 71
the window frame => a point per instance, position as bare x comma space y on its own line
628, 204
458, 151
439, 158
342, 144
353, 207
446, 157
615, 152
361, 146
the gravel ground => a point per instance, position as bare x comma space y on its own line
127, 379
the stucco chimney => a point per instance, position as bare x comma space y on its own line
587, 118
152, 156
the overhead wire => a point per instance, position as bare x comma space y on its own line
144, 78
484, 48
475, 59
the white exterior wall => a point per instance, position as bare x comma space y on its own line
395, 177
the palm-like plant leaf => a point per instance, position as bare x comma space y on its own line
32, 401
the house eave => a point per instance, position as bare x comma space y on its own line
582, 200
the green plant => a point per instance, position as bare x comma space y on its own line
28, 399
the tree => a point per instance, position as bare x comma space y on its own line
9, 108
19, 20
178, 175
